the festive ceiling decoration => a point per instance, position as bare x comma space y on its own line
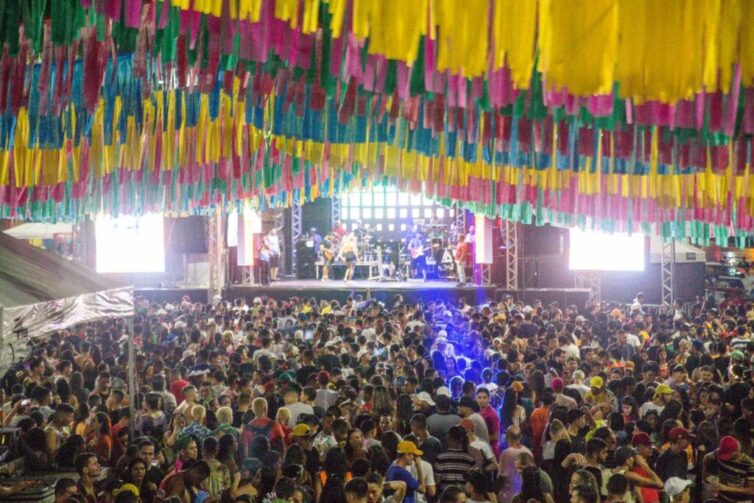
617, 114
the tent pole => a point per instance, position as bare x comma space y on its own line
131, 382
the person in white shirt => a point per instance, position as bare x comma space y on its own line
578, 383
486, 461
294, 406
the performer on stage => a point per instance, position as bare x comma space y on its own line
264, 264
462, 249
328, 254
416, 250
350, 252
272, 240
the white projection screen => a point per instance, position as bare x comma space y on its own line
130, 244
594, 251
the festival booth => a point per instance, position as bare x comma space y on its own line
41, 292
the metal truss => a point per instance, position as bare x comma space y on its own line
335, 220
510, 239
591, 280
296, 233
485, 274
216, 254
459, 218
667, 272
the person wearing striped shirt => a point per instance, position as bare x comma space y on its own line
452, 465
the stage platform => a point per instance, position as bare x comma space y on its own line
412, 291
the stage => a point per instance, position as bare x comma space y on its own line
411, 290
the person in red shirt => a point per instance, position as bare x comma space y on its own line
538, 423
177, 383
261, 425
490, 417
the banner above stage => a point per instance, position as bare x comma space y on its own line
626, 115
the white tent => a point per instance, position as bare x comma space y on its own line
41, 292
39, 230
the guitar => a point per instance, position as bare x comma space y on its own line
417, 252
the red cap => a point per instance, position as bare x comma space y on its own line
467, 424
323, 376
641, 439
728, 447
678, 433
557, 383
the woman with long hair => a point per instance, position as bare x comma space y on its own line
563, 447
404, 411
382, 404
136, 474
153, 421
328, 486
100, 439
531, 488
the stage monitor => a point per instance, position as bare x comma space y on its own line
130, 244
593, 251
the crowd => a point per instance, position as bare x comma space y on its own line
321, 402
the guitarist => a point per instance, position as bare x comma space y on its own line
416, 250
327, 247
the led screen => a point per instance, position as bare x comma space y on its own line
130, 244
605, 252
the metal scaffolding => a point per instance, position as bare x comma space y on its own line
335, 220
667, 272
510, 241
296, 233
216, 253
459, 218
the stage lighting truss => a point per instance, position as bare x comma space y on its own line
667, 272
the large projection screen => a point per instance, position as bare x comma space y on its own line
593, 251
130, 244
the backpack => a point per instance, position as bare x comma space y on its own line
251, 432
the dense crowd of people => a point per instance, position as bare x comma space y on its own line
323, 402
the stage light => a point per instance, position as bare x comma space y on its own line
605, 252
130, 244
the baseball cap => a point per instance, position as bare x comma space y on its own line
467, 424
678, 433
641, 439
301, 430
596, 382
728, 447
557, 384
408, 447
443, 391
425, 397
737, 355
675, 486
663, 389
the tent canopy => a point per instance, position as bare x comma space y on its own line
41, 292
39, 230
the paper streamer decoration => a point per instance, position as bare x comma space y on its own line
626, 115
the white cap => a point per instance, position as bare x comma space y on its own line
424, 397
527, 309
443, 391
675, 486
298, 335
442, 333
